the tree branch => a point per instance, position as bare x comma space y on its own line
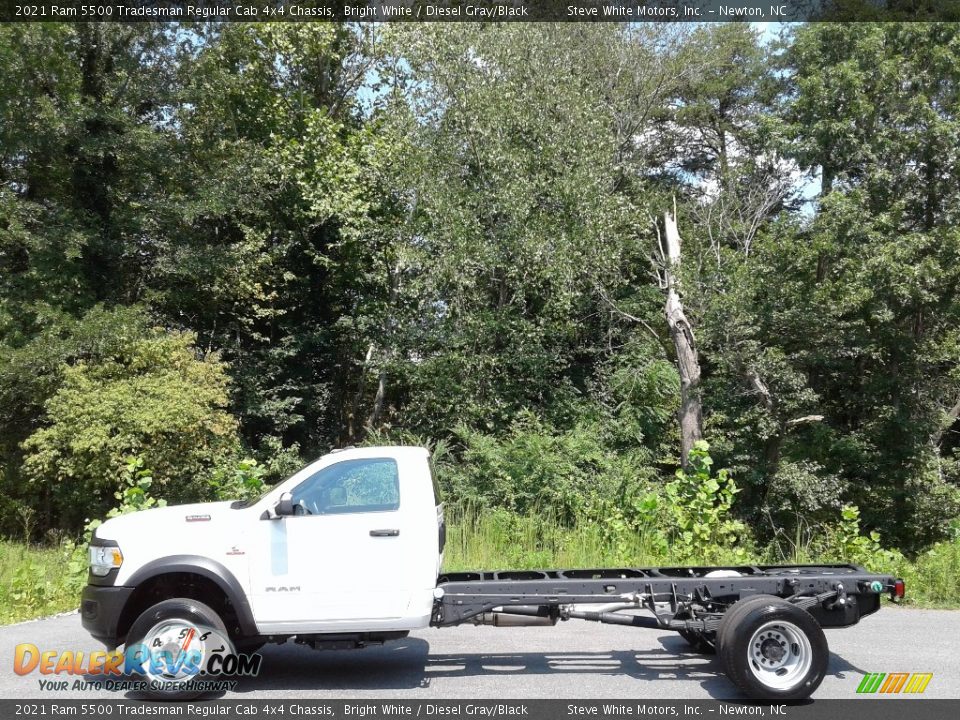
806, 419
761, 388
633, 318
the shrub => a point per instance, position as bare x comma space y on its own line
535, 467
157, 398
846, 542
242, 480
700, 506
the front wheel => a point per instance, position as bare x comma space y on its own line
773, 650
172, 641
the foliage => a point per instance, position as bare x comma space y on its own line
699, 506
33, 582
536, 466
846, 540
133, 495
241, 481
156, 398
228, 247
34, 588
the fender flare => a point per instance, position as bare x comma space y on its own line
205, 567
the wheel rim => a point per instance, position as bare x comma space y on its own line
165, 630
779, 655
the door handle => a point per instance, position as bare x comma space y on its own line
391, 532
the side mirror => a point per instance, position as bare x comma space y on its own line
284, 505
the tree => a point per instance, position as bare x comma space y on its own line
684, 343
873, 111
155, 398
516, 218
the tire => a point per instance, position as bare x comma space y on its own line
192, 612
773, 650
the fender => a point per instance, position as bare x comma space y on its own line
210, 569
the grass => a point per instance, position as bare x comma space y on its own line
491, 541
933, 579
36, 581
500, 540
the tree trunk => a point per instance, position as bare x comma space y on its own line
352, 430
389, 341
684, 343
377, 411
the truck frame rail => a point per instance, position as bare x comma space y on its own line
692, 599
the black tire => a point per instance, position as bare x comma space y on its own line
773, 650
185, 609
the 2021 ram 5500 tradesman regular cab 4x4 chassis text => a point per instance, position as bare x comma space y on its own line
347, 552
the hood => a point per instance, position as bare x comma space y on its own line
192, 517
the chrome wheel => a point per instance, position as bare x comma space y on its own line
779, 655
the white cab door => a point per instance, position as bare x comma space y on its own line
341, 559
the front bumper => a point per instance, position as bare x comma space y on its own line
100, 609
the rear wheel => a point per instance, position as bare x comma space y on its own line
731, 617
773, 650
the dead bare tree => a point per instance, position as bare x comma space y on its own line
690, 414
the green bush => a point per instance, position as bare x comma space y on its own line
33, 581
700, 507
536, 466
157, 398
242, 480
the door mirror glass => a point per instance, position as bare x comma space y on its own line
284, 505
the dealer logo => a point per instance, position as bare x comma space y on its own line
176, 659
173, 653
894, 683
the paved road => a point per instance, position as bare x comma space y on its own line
574, 660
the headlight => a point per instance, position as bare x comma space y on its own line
104, 558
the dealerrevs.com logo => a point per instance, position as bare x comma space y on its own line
173, 659
894, 683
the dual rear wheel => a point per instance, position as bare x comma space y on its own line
771, 649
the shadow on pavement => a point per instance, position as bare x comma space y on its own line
408, 664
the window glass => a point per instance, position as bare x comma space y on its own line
351, 486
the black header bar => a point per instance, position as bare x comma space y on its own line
478, 10
245, 708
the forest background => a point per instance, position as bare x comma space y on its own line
586, 265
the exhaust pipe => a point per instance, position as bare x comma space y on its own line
519, 616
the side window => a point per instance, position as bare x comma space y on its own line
351, 486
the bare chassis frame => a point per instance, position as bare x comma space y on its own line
691, 599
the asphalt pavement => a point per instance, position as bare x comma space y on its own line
575, 659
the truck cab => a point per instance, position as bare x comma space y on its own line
350, 545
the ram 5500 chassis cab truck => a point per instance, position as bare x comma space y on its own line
347, 552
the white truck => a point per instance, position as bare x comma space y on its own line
348, 552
